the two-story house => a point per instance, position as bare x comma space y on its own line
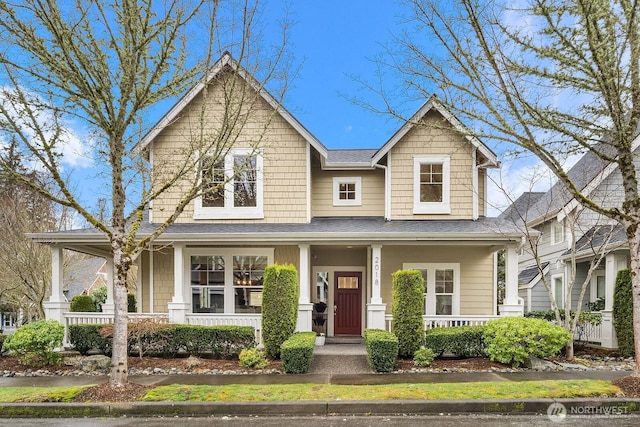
346, 219
569, 235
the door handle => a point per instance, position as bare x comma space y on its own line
335, 309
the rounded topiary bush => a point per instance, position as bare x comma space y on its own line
82, 304
252, 358
513, 340
623, 313
279, 307
423, 357
407, 306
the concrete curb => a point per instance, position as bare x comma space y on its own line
614, 406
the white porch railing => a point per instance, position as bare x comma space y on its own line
447, 321
254, 320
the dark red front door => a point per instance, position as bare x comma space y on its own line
348, 303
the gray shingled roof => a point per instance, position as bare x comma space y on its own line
350, 156
518, 210
335, 228
528, 274
597, 236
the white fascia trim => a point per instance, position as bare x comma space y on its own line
225, 60
433, 103
308, 186
474, 182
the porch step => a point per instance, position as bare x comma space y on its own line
344, 340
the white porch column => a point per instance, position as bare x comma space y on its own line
178, 307
376, 308
305, 308
57, 304
614, 262
512, 305
109, 306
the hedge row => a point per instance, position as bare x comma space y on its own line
463, 341
382, 349
296, 353
167, 340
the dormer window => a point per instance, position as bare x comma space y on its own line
347, 191
431, 184
232, 187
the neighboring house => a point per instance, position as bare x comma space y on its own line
8, 320
568, 234
83, 276
346, 219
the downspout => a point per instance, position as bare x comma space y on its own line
387, 187
474, 184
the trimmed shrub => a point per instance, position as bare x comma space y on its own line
423, 357
382, 349
279, 307
297, 352
87, 337
34, 343
252, 358
82, 304
513, 340
407, 307
463, 341
167, 340
623, 313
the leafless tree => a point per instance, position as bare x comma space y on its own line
548, 77
102, 66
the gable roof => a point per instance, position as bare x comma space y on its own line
227, 61
435, 105
532, 275
517, 211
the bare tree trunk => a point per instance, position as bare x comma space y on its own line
634, 247
119, 357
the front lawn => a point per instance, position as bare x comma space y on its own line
325, 392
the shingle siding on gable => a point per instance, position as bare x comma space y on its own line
285, 161
425, 140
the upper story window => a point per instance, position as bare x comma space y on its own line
233, 187
431, 182
557, 233
347, 191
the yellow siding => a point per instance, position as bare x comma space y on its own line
162, 279
287, 255
285, 159
482, 178
476, 272
435, 138
144, 278
322, 193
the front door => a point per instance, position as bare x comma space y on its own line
348, 303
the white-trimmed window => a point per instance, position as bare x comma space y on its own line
598, 286
347, 191
557, 286
431, 184
557, 233
227, 280
442, 287
233, 187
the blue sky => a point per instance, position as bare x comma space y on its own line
336, 40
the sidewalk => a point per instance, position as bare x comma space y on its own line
329, 359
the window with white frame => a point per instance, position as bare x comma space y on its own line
557, 285
557, 233
228, 280
431, 184
598, 287
442, 287
232, 187
347, 191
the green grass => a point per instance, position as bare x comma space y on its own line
446, 391
325, 392
38, 394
